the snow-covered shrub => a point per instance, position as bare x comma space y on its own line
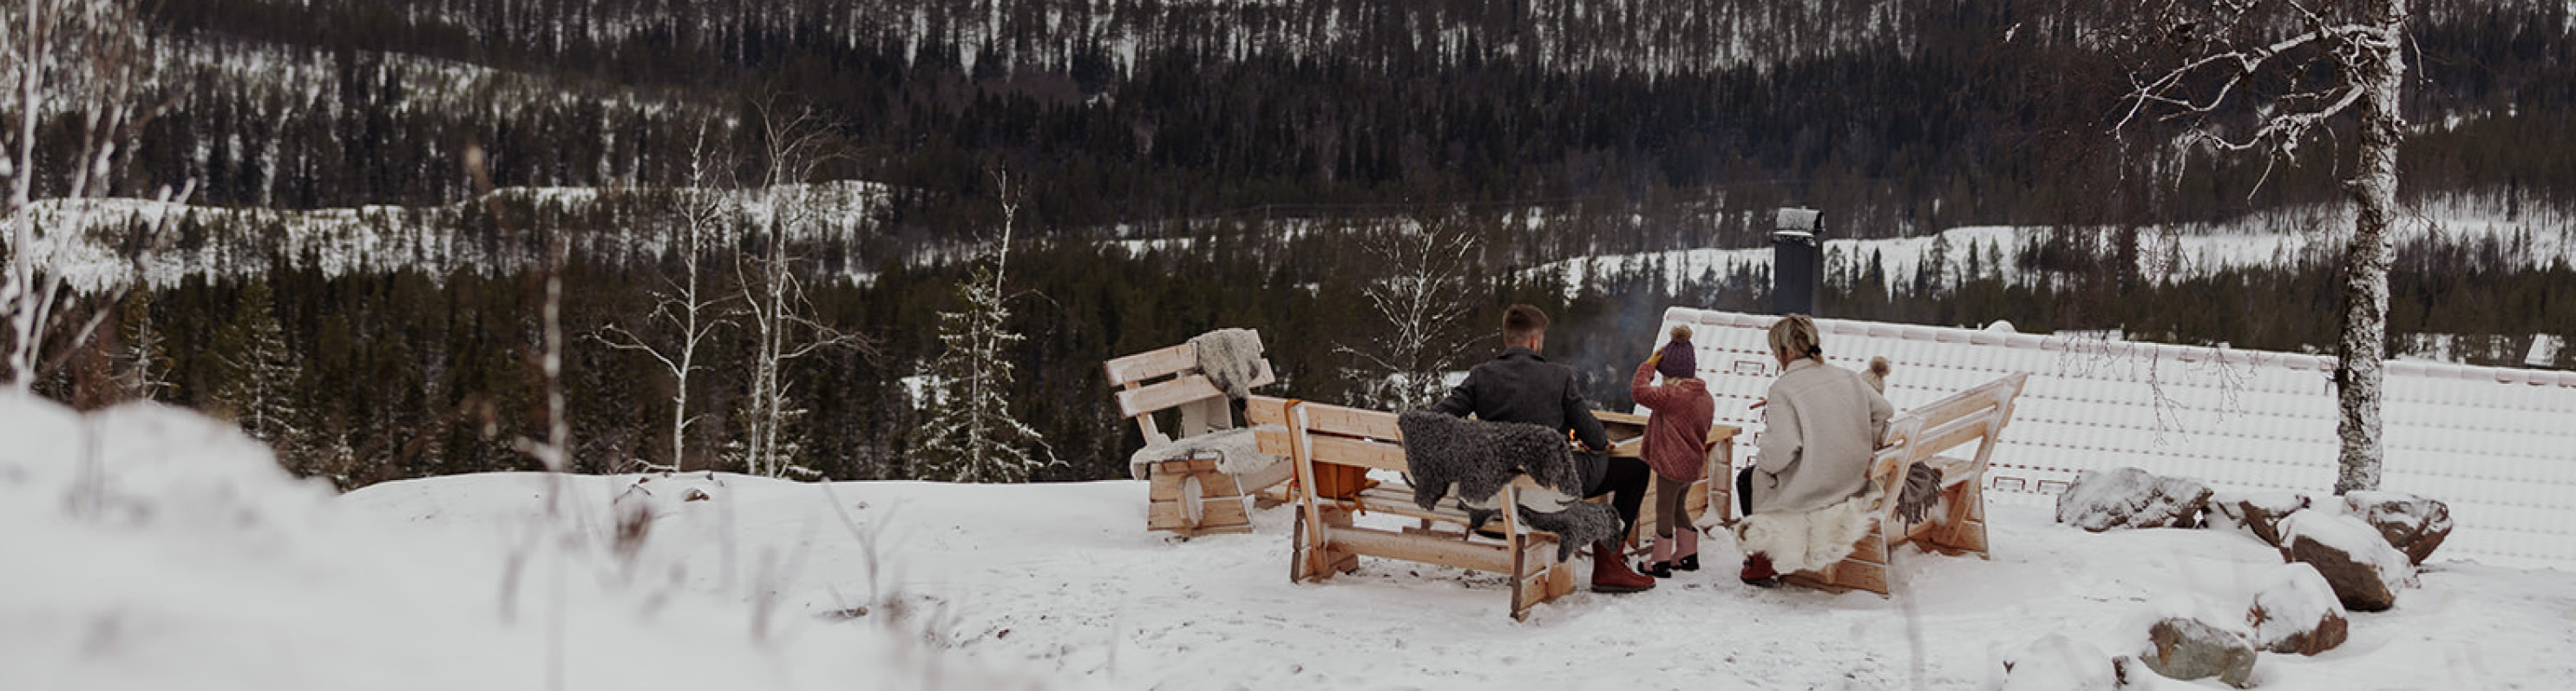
2058, 663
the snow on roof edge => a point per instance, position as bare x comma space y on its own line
2232, 356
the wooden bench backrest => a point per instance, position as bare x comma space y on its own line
1333, 434
1139, 400
1976, 414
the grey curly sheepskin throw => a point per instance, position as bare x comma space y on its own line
1477, 459
1228, 357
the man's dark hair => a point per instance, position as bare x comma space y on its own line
1520, 322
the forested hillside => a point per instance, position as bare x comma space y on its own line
349, 287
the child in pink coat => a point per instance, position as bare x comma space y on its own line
1676, 445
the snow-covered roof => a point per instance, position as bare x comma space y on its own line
2497, 444
1806, 221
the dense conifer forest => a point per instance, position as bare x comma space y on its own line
1173, 167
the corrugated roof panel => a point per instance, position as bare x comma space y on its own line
2500, 449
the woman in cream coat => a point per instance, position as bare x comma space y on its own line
1807, 494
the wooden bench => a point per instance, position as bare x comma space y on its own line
1919, 435
1190, 497
1327, 541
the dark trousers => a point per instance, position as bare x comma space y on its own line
1624, 479
1744, 491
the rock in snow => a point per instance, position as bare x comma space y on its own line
2414, 525
2297, 613
2259, 512
2130, 498
2058, 663
2184, 648
2361, 566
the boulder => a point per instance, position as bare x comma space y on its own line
2130, 498
2412, 524
2058, 663
2297, 613
2259, 513
2185, 648
2363, 569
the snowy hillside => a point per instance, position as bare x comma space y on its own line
2521, 238
640, 227
176, 557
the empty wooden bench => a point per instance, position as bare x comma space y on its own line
1190, 497
1924, 434
1326, 541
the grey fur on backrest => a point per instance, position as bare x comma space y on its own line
1478, 458
1227, 357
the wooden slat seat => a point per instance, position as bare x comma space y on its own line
1187, 496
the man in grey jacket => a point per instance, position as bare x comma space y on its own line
1521, 386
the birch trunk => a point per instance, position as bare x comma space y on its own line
2361, 357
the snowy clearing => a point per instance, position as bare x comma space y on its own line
205, 567
2523, 238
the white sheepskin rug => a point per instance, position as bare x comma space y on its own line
1809, 540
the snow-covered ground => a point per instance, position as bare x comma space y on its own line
153, 549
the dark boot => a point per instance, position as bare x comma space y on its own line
1661, 564
1757, 572
1610, 572
1689, 563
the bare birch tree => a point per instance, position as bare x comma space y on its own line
1422, 304
794, 146
81, 59
2268, 76
688, 309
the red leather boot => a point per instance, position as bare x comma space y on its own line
1610, 572
1757, 571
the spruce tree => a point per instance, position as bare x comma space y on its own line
143, 364
970, 435
258, 369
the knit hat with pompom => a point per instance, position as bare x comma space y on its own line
1680, 361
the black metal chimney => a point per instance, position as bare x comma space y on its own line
1797, 262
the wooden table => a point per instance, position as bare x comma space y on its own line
1627, 440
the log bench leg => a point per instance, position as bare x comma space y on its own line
1192, 498
1865, 569
1312, 557
1537, 577
1963, 529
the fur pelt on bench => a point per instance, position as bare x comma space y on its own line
1806, 540
1476, 459
1228, 357
1237, 452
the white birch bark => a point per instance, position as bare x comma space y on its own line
685, 307
2380, 75
2361, 43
